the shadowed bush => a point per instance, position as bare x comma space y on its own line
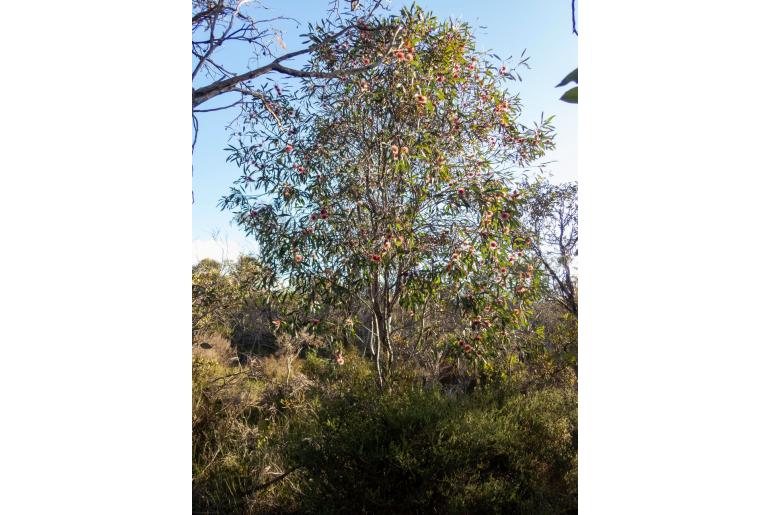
422, 451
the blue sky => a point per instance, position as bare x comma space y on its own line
542, 27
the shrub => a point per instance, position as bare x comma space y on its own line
417, 451
236, 442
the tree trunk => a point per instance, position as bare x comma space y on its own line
380, 381
371, 336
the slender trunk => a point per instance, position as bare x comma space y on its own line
371, 336
377, 358
388, 345
288, 368
383, 336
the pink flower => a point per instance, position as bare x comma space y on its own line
492, 244
289, 148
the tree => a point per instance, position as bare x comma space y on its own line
230, 298
551, 214
383, 188
224, 24
211, 298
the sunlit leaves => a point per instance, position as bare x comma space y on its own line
398, 184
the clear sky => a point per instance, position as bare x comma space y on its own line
542, 27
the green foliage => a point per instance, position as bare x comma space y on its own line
571, 77
395, 233
497, 450
350, 447
232, 299
398, 183
571, 95
355, 373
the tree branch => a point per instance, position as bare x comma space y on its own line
574, 25
226, 85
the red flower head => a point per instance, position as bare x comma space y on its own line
505, 215
253, 213
289, 148
313, 217
298, 258
375, 257
460, 190
493, 244
324, 214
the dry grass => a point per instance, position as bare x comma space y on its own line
214, 347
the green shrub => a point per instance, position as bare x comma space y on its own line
421, 451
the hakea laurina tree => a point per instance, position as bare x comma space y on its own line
383, 188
